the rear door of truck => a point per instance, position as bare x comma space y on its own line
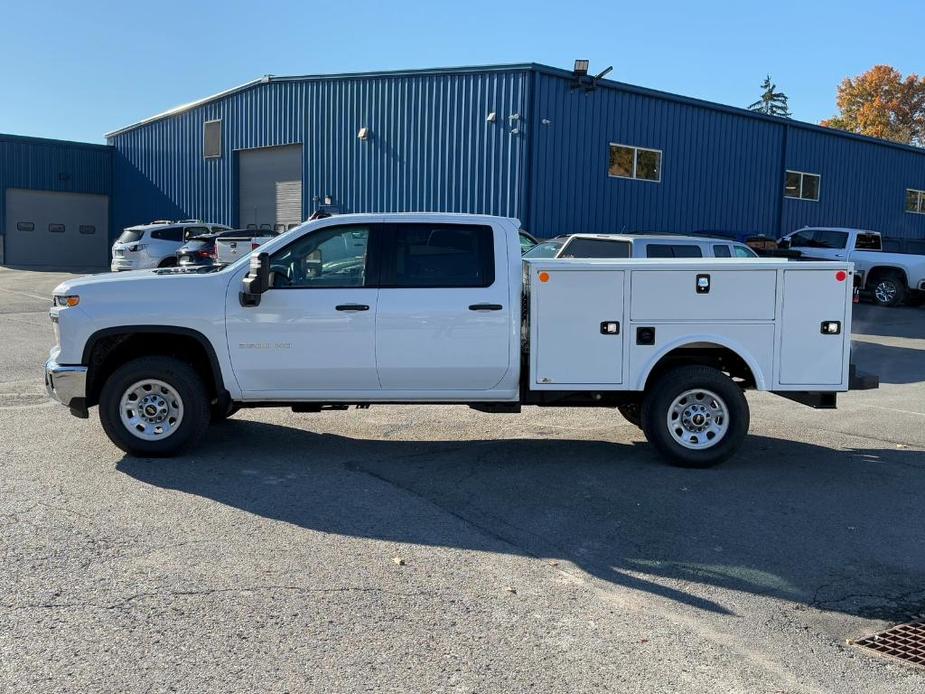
445, 314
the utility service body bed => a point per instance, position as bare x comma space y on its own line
606, 324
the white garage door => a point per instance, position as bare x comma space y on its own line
270, 187
61, 230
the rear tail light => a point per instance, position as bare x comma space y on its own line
254, 245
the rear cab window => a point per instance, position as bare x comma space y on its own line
868, 242
439, 256
595, 248
721, 251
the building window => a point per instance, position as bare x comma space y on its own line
802, 186
25, 226
635, 162
212, 139
56, 228
87, 229
915, 201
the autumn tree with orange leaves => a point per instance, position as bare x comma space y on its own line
882, 103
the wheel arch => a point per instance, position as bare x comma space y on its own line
880, 270
107, 348
707, 350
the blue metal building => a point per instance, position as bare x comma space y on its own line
54, 202
523, 140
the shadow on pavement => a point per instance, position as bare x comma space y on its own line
891, 363
901, 321
833, 529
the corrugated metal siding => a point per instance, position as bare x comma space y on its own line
430, 147
719, 170
56, 165
863, 184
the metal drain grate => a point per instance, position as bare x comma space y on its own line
904, 642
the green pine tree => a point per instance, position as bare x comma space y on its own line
772, 102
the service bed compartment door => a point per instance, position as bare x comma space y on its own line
571, 314
808, 356
727, 295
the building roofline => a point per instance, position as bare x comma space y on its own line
523, 67
28, 139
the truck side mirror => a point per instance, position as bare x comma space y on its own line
783, 243
256, 281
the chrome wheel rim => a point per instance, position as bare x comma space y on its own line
151, 410
885, 291
698, 419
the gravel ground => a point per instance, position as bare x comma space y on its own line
440, 549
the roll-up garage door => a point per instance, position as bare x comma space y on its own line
270, 187
69, 231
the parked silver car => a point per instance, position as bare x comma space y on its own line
156, 244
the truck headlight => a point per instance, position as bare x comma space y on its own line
65, 300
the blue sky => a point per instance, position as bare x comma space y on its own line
77, 70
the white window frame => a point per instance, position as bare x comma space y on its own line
920, 205
800, 196
636, 150
220, 134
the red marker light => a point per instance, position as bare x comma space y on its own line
841, 275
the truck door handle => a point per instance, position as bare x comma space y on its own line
486, 307
352, 307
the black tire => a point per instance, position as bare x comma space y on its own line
220, 415
889, 290
632, 413
671, 385
176, 374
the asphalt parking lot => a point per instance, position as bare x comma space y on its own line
441, 549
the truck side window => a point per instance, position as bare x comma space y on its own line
721, 251
830, 239
673, 250
440, 255
334, 257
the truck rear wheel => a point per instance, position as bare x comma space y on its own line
154, 407
695, 416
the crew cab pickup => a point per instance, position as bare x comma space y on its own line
440, 308
891, 278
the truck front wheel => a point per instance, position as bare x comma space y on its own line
154, 407
695, 416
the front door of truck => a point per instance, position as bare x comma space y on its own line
444, 318
314, 330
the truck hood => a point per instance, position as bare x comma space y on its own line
125, 283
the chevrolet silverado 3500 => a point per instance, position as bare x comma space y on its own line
440, 308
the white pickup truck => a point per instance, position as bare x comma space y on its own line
440, 308
891, 278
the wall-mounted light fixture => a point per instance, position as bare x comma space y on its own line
363, 134
581, 68
492, 117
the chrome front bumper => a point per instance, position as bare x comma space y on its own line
67, 385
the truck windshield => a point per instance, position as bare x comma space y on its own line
595, 248
868, 242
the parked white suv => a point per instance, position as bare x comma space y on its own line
650, 246
156, 244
